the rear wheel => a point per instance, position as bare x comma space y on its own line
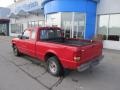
54, 67
16, 51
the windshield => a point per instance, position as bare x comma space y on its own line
50, 34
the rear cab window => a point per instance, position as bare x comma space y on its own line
50, 34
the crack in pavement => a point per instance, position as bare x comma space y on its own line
57, 83
24, 64
42, 74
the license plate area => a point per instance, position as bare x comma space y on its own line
86, 66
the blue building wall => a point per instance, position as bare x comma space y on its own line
83, 6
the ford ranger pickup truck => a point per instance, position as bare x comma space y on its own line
49, 45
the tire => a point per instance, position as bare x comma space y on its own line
16, 51
54, 67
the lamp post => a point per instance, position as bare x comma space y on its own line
15, 5
15, 9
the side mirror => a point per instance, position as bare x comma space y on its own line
20, 36
26, 37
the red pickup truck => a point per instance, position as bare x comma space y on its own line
48, 44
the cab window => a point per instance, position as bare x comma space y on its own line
50, 34
33, 34
26, 34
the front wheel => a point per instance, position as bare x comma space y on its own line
16, 51
54, 67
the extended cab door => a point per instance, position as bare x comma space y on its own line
22, 43
31, 43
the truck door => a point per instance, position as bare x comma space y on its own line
22, 43
31, 47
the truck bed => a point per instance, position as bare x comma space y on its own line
76, 43
72, 42
91, 49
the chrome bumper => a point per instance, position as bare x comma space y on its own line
90, 64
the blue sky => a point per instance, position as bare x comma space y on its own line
5, 3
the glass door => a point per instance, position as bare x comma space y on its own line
79, 25
73, 24
67, 24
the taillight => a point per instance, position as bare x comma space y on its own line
77, 59
77, 56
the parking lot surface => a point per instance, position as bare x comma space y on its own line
21, 73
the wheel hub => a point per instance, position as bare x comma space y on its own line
53, 67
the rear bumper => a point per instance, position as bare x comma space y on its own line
74, 65
90, 64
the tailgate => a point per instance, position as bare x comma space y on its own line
90, 52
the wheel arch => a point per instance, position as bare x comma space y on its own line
13, 44
52, 54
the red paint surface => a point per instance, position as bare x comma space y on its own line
65, 53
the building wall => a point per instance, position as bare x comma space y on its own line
83, 6
27, 19
108, 7
28, 6
108, 14
24, 21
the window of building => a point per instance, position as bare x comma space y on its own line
16, 28
79, 25
67, 24
53, 20
41, 23
73, 24
33, 24
114, 27
103, 26
36, 23
109, 27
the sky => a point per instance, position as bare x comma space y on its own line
5, 3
